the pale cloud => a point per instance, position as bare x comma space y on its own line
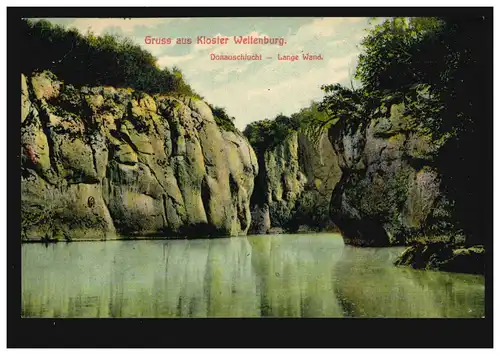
199, 60
337, 42
249, 104
343, 62
251, 90
273, 86
223, 75
170, 61
324, 27
99, 25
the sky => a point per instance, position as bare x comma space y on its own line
249, 90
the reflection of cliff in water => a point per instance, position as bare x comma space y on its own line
296, 275
278, 276
236, 277
367, 286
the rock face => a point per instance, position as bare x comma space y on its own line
97, 162
390, 191
295, 185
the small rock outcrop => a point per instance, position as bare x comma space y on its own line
99, 162
444, 257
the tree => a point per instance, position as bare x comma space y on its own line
222, 118
434, 66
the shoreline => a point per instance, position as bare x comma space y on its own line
153, 237
437, 256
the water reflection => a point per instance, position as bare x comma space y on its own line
367, 286
275, 276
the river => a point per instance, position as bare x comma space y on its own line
301, 275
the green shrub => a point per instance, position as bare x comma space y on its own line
266, 134
95, 60
311, 209
222, 118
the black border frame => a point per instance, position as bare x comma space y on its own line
234, 333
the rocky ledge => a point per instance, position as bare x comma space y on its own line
444, 257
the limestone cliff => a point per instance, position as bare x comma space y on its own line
391, 190
100, 162
296, 183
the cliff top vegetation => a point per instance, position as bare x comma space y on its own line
107, 60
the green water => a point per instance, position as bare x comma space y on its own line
307, 275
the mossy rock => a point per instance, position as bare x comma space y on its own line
125, 154
444, 257
45, 86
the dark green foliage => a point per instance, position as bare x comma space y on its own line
95, 60
311, 209
382, 198
341, 103
437, 68
222, 118
312, 120
266, 134
34, 216
439, 56
432, 64
399, 53
279, 213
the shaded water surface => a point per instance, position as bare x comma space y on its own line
306, 275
